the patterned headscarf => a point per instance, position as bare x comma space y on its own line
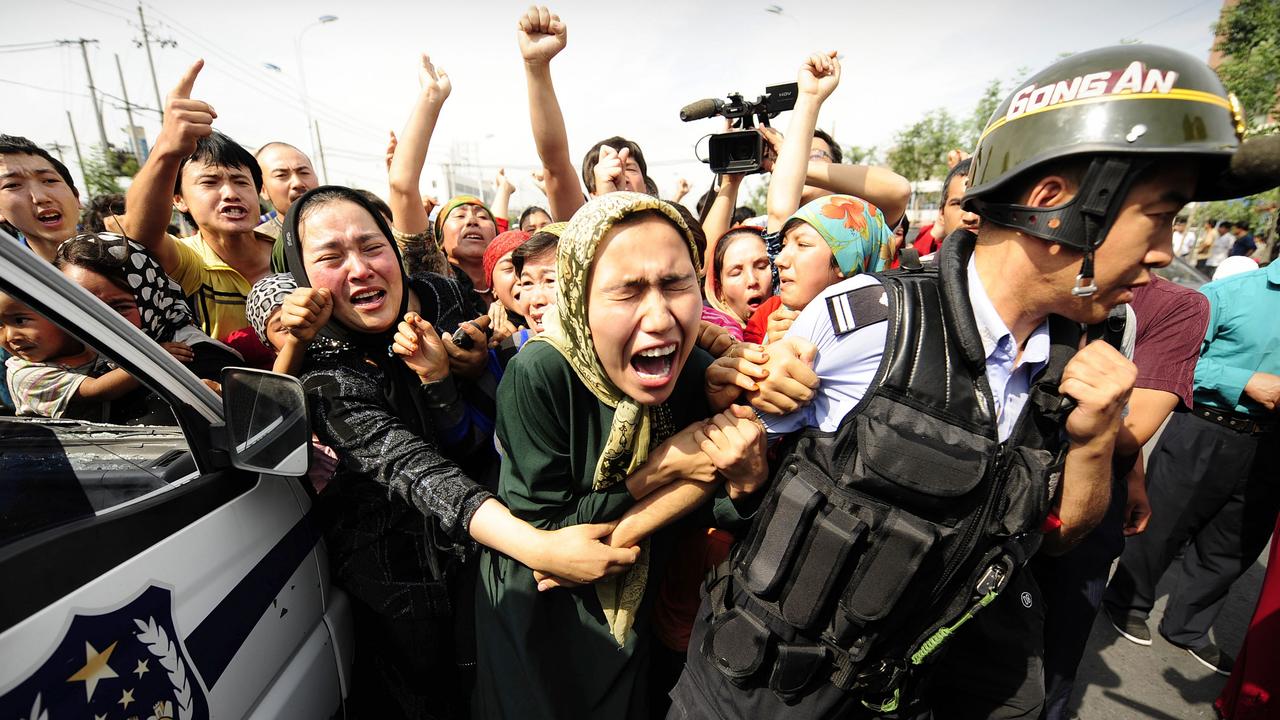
161, 303
854, 229
266, 295
455, 202
632, 433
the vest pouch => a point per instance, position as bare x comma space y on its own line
779, 536
821, 567
916, 463
1033, 476
737, 644
895, 553
795, 669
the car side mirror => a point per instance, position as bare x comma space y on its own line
266, 420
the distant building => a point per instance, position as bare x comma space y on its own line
926, 196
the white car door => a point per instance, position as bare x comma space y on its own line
140, 574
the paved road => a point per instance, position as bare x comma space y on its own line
1119, 679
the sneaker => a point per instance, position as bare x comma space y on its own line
1131, 628
1207, 655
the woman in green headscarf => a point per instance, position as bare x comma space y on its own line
589, 413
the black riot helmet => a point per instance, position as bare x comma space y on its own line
1121, 107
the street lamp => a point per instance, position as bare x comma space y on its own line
302, 83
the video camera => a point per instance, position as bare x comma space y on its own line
741, 151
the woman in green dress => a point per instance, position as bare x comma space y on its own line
603, 418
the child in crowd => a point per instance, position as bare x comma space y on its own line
51, 374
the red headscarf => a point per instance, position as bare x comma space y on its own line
500, 246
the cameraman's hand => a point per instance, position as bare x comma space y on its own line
819, 75
541, 34
772, 146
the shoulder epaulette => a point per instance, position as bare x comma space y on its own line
857, 308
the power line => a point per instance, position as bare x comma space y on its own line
40, 44
333, 115
43, 89
98, 10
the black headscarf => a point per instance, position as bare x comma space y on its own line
439, 304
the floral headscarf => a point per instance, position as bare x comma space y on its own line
854, 229
632, 433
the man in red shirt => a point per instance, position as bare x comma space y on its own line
1171, 322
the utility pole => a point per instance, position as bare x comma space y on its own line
93, 91
79, 158
324, 167
146, 43
128, 113
58, 148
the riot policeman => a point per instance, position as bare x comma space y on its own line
961, 423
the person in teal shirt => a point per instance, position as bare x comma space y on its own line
1212, 475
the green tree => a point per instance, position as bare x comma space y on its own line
982, 112
100, 172
920, 151
861, 155
1249, 38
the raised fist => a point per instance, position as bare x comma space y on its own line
541, 34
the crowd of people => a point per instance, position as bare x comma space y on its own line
614, 458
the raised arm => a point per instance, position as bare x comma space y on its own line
879, 186
720, 216
542, 35
817, 79
502, 189
149, 202
410, 151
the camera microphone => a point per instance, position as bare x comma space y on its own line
701, 109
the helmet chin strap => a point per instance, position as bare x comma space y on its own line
1082, 222
1085, 286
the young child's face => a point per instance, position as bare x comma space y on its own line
28, 335
277, 333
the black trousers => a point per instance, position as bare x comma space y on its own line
1217, 489
1072, 585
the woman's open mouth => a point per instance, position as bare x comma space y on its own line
754, 302
653, 366
368, 300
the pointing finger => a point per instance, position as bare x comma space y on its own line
188, 81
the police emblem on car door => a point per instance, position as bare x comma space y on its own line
125, 663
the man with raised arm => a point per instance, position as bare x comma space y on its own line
214, 182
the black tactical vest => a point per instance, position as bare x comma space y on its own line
879, 539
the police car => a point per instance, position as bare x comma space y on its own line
162, 571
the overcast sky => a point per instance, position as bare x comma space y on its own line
627, 70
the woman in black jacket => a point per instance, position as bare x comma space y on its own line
402, 517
